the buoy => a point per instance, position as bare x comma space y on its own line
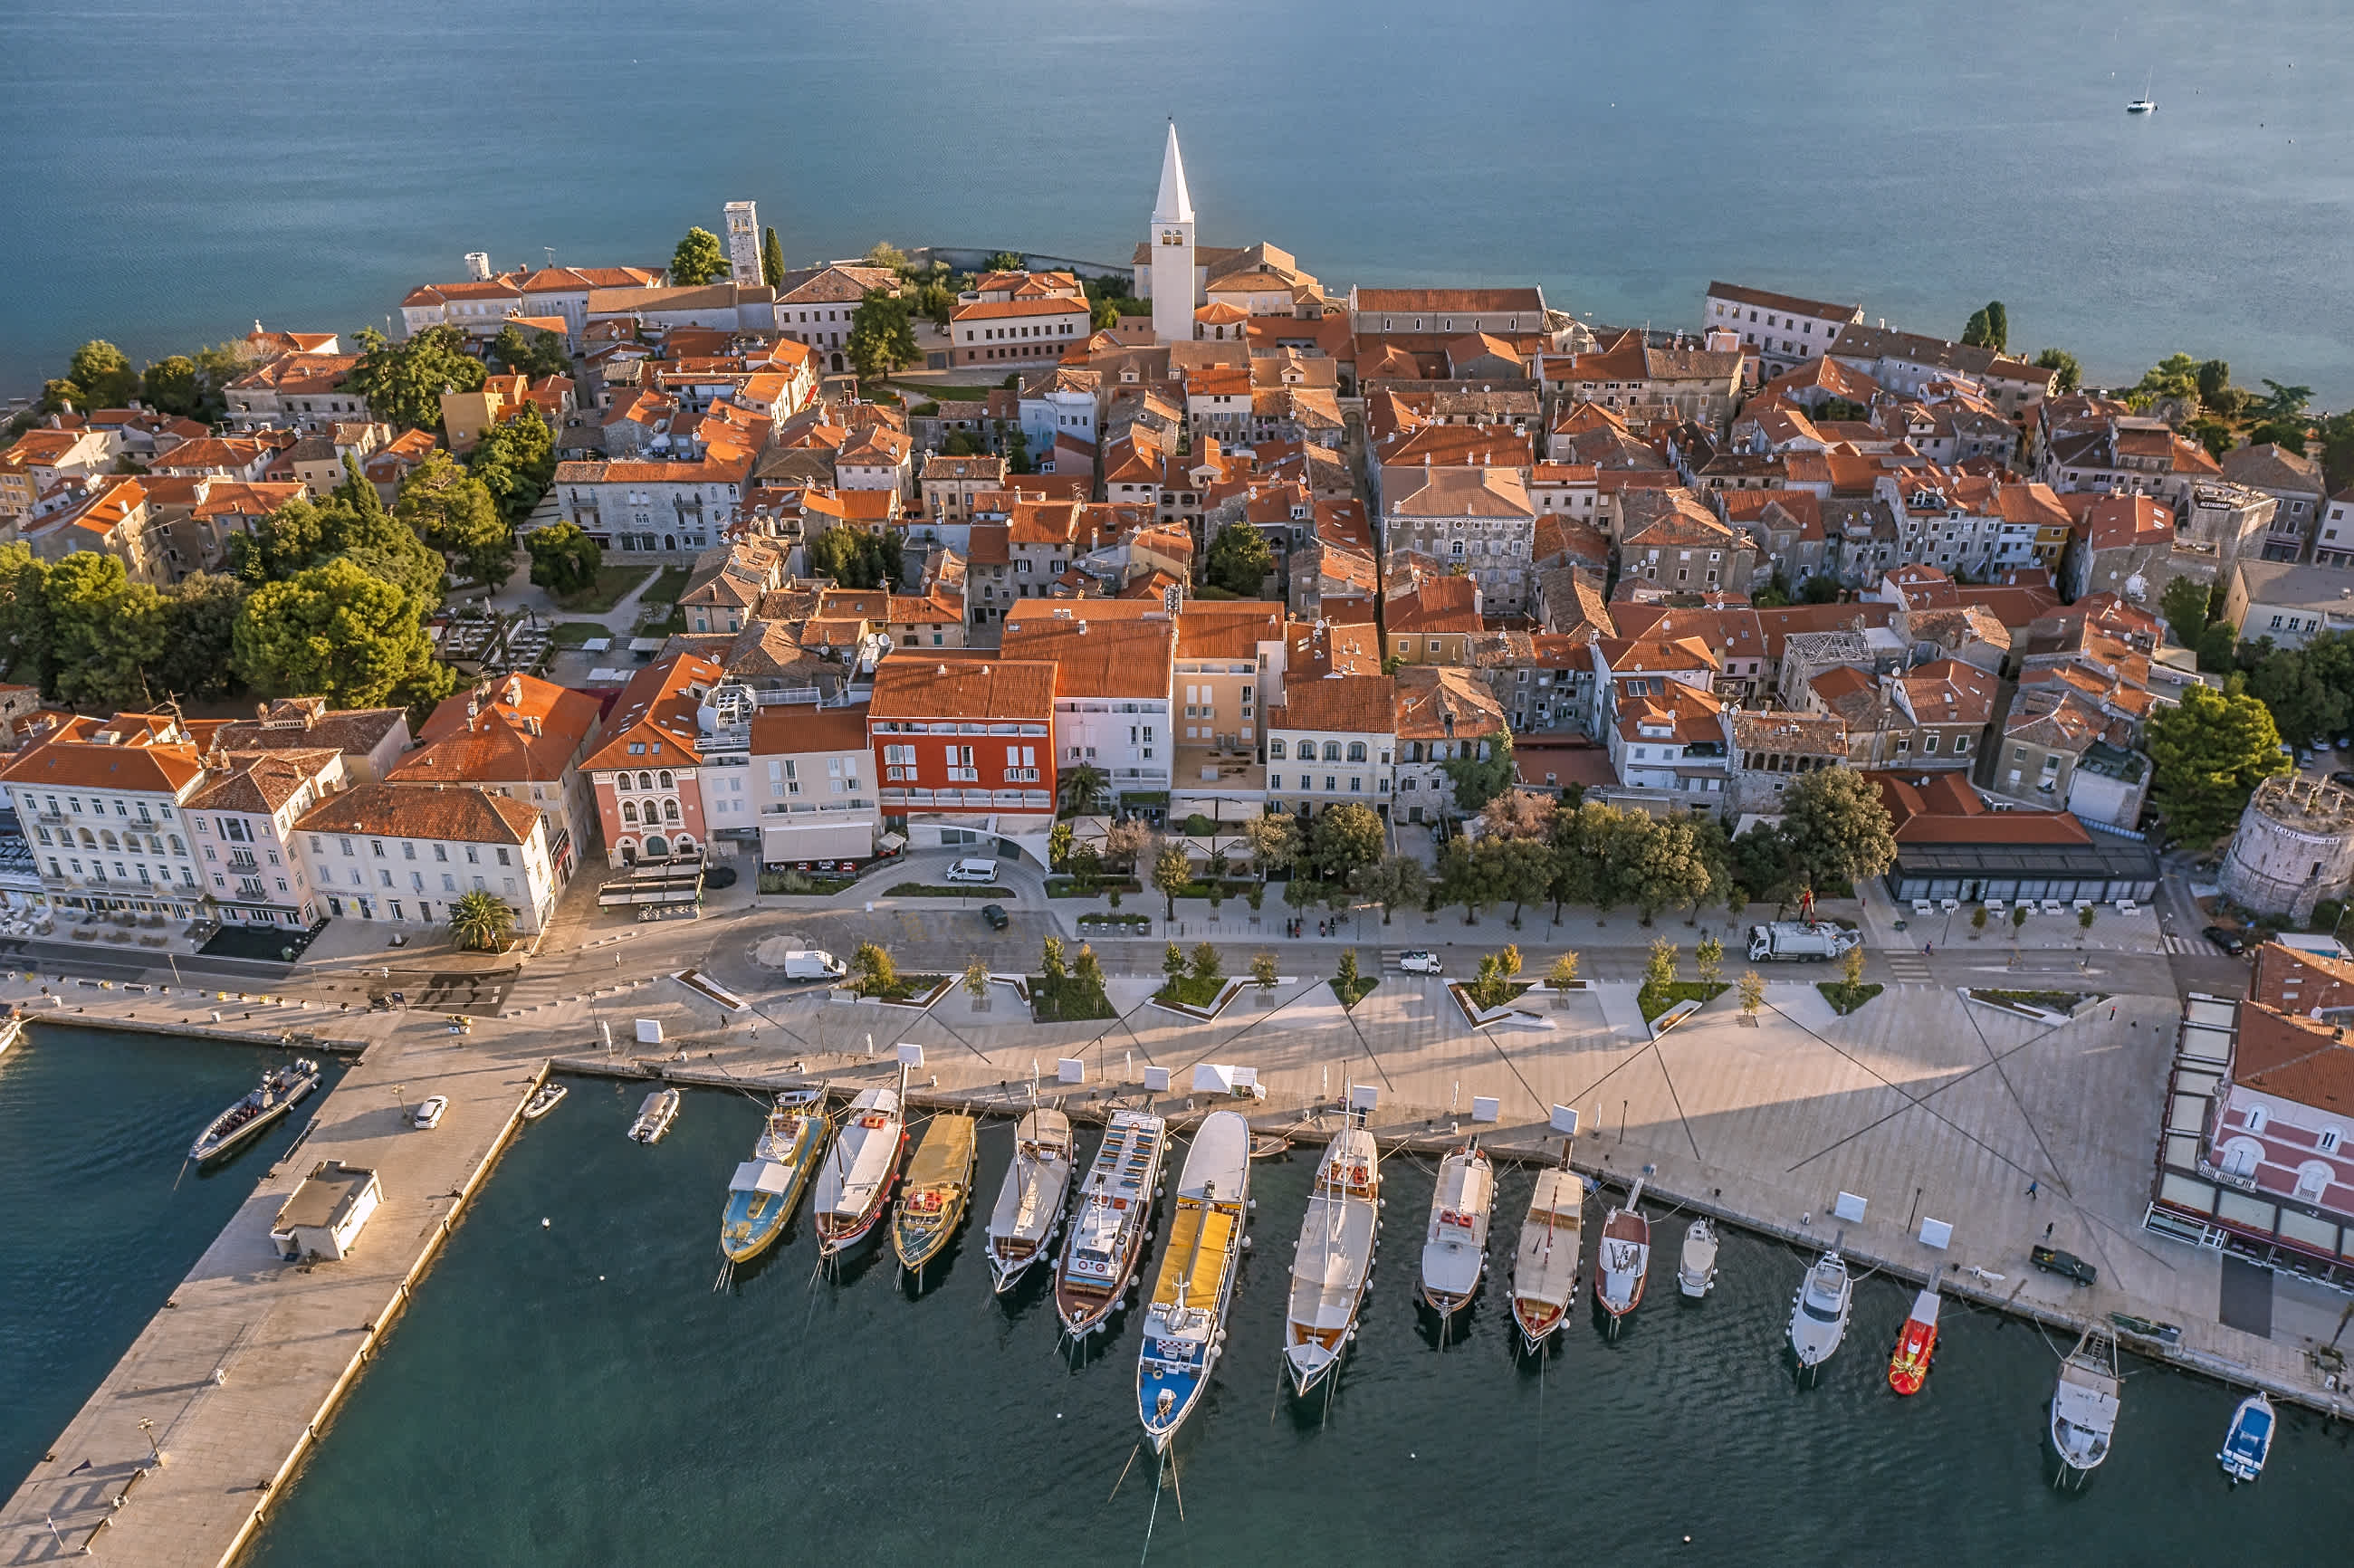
542, 1222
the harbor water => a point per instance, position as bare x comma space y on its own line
99, 1215
576, 1390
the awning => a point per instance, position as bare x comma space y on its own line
1223, 1078
758, 1176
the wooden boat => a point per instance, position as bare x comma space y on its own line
1334, 1258
1185, 1321
1624, 1259
1113, 1222
2086, 1403
938, 1190
1697, 1272
853, 1180
1818, 1312
1544, 1266
765, 1190
1916, 1343
654, 1117
543, 1100
1029, 1203
2249, 1442
281, 1090
1455, 1247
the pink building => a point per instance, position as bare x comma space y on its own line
647, 772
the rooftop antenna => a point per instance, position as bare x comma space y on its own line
551, 254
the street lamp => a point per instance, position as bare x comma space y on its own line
147, 1430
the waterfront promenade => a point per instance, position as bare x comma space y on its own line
1921, 1104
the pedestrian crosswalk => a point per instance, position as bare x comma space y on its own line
1905, 964
2192, 946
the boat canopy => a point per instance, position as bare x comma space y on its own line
760, 1176
1216, 1228
946, 1154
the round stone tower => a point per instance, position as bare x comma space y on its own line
2293, 847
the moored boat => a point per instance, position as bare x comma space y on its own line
654, 1117
1455, 1247
12, 1029
281, 1090
2249, 1442
1819, 1313
853, 1180
1697, 1272
1113, 1222
1029, 1203
765, 1190
1623, 1261
2085, 1404
1916, 1343
938, 1190
543, 1100
1185, 1322
1334, 1258
1544, 1266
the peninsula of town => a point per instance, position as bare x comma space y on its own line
1180, 667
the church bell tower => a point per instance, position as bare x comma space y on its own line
1172, 250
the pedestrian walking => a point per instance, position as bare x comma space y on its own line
1929, 949
2112, 1012
2047, 1230
2032, 1187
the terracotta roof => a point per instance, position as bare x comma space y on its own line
1942, 809
134, 752
423, 811
1433, 704
259, 781
514, 728
912, 686
1009, 309
2310, 1063
1117, 657
1408, 301
1345, 704
657, 708
787, 728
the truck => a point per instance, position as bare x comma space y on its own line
813, 963
1800, 940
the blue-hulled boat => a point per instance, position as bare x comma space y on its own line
763, 1193
1184, 1325
2250, 1441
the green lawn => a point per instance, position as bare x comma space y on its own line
926, 890
1657, 1000
1351, 995
1068, 1000
573, 633
1844, 998
1192, 991
612, 586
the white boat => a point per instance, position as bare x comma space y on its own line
543, 1100
428, 1110
1623, 1261
1818, 1312
1699, 1270
12, 1028
654, 1117
853, 1184
1334, 1259
2085, 1404
1544, 1266
281, 1090
2144, 104
1455, 1247
2250, 1440
1185, 1322
1113, 1222
1029, 1212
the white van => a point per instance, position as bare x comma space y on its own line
979, 873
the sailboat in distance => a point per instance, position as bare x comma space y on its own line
2144, 104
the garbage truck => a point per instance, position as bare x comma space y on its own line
1808, 940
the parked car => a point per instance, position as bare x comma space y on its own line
2232, 942
2344, 775
995, 915
719, 877
1421, 963
2052, 1260
428, 1111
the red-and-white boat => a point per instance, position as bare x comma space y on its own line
1544, 1266
1624, 1258
1908, 1367
853, 1186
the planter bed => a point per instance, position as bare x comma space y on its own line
926, 890
1202, 999
1065, 1000
1137, 923
1844, 1001
1655, 1001
915, 993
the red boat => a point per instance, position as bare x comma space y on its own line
1908, 1366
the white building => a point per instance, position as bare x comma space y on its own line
741, 232
812, 783
101, 802
1332, 740
1112, 684
1172, 250
405, 853
1786, 330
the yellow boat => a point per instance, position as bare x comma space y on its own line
939, 1186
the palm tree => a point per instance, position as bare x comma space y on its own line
481, 922
1083, 787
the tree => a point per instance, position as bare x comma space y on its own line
1083, 787
2337, 450
173, 386
2175, 375
875, 971
1050, 959
1517, 869
1239, 560
882, 254
1482, 771
1345, 837
1708, 958
564, 558
1671, 870
1753, 993
403, 382
2214, 376
452, 511
481, 922
772, 259
332, 630
976, 973
2071, 373
698, 260
25, 632
2184, 605
1086, 970
200, 615
1836, 830
1988, 328
516, 460
1518, 814
535, 352
103, 374
1172, 963
2211, 753
1274, 839
1564, 972
1394, 882
1659, 965
1205, 965
1761, 859
1171, 870
1263, 969
1005, 262
1851, 966
881, 335
1463, 878
1125, 842
105, 631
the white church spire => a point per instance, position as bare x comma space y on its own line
1175, 205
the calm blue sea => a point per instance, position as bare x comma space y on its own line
180, 170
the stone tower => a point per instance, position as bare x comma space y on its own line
743, 238
1172, 250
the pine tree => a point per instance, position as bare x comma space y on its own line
772, 260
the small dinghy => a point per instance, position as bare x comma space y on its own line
1699, 1270
1544, 1266
1908, 1364
654, 1117
2250, 1441
1029, 1203
1455, 1249
1818, 1312
2085, 1405
543, 1100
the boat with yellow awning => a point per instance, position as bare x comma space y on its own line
938, 1188
1184, 1325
